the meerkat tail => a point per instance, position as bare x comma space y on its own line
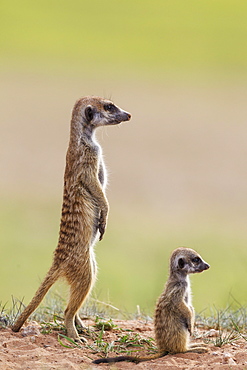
110, 360
48, 281
134, 359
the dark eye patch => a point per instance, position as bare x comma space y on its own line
196, 260
110, 107
89, 113
181, 263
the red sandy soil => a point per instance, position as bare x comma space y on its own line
30, 349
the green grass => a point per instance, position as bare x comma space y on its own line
230, 324
155, 37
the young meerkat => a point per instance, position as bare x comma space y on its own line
174, 314
84, 210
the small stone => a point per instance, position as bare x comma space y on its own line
231, 361
226, 355
30, 330
228, 359
212, 333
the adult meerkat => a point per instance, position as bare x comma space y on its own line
174, 314
84, 210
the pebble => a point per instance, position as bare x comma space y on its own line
228, 359
212, 333
30, 330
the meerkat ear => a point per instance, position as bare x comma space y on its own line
89, 113
181, 263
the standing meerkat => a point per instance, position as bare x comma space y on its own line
174, 313
84, 210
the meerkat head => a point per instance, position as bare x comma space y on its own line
94, 112
187, 261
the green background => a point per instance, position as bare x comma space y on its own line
177, 170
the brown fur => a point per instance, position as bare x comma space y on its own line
174, 314
84, 210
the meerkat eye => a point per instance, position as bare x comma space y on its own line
196, 260
109, 107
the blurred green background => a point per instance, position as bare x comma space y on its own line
177, 170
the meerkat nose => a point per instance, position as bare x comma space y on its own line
206, 266
128, 116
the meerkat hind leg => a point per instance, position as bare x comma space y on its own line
77, 296
71, 329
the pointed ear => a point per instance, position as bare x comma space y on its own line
89, 113
181, 263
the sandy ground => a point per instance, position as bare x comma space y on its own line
39, 351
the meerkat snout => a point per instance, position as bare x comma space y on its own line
127, 115
206, 266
